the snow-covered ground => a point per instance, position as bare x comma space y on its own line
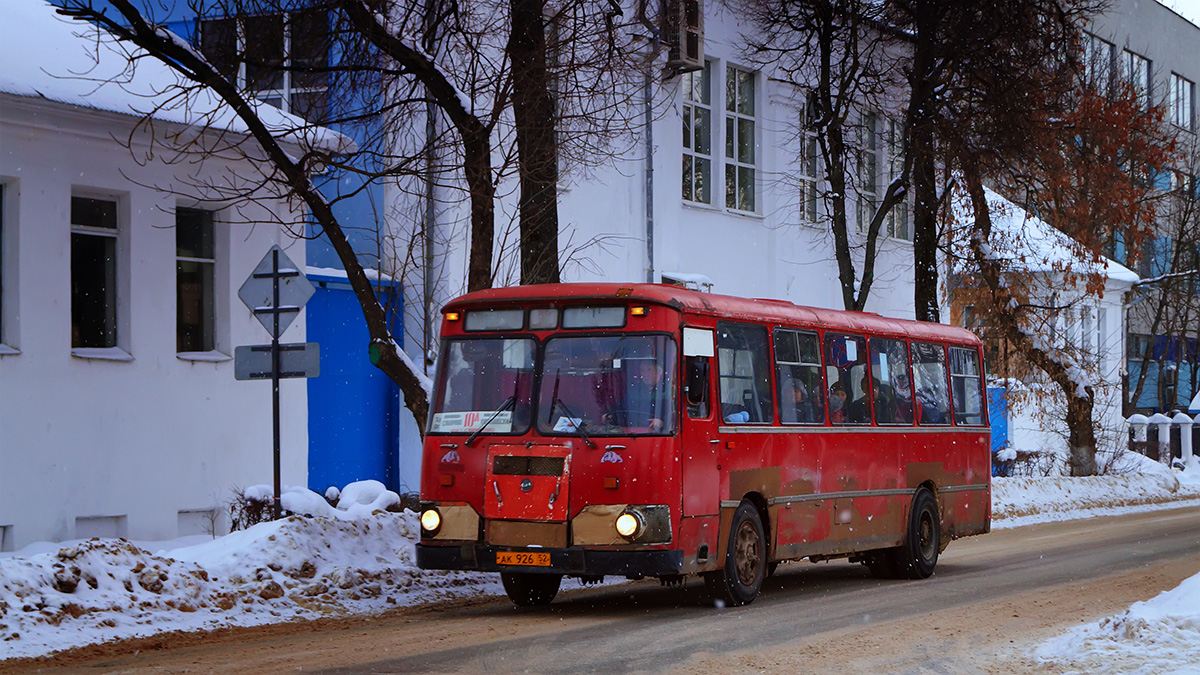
359, 559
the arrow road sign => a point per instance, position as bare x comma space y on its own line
298, 359
260, 296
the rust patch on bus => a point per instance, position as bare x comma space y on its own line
919, 472
522, 533
764, 481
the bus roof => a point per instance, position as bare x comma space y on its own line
689, 301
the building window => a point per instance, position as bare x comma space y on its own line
697, 134
1097, 61
868, 169
897, 220
740, 134
281, 59
93, 272
195, 270
810, 160
1137, 73
1183, 92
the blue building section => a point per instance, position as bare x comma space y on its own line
998, 416
352, 406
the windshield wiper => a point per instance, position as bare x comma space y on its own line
556, 402
508, 402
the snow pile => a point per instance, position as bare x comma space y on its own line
1025, 500
1159, 635
355, 559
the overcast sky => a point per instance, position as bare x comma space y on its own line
1188, 8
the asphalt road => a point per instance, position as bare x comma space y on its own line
648, 628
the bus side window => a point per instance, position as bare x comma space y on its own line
929, 384
847, 377
744, 373
798, 377
966, 386
893, 392
695, 386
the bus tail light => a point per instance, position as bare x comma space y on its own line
447, 480
611, 482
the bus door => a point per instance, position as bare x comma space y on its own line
699, 446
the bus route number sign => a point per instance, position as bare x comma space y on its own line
523, 558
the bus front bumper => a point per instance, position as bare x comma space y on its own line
574, 561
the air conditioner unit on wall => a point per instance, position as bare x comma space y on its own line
683, 33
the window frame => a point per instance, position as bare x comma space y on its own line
765, 402
867, 168
816, 394
8, 263
899, 224
732, 119
208, 267
688, 109
945, 382
1138, 72
117, 273
810, 162
981, 389
1183, 97
283, 95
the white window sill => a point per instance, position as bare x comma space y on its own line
102, 353
5, 350
212, 357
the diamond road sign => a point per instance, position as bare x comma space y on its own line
259, 292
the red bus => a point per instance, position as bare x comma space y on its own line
644, 430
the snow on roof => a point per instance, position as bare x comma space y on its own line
51, 57
1033, 245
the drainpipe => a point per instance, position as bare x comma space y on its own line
648, 117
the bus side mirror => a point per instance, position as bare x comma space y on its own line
696, 382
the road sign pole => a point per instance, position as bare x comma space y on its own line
275, 374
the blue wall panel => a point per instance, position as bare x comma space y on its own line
352, 406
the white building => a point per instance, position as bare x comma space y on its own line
751, 237
119, 412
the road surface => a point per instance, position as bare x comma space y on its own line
991, 599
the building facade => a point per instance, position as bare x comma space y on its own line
119, 411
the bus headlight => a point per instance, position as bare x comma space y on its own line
431, 521
630, 524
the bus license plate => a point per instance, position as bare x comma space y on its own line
522, 558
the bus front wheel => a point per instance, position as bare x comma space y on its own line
740, 580
530, 590
916, 557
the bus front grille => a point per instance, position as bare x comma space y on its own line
508, 465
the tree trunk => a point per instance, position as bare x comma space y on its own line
925, 240
1081, 429
533, 113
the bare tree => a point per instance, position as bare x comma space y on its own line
432, 93
833, 53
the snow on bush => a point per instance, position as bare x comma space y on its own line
353, 559
1158, 635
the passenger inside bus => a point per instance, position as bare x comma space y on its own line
837, 403
645, 400
797, 408
859, 412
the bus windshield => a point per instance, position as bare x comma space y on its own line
484, 381
613, 385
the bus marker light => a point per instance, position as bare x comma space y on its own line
431, 520
447, 479
637, 311
453, 316
611, 482
629, 524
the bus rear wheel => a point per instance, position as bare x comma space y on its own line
740, 580
916, 557
530, 590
